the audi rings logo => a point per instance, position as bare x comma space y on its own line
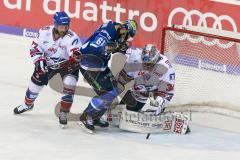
202, 22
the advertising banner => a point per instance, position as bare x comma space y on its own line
87, 15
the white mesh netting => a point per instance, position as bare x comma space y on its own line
207, 71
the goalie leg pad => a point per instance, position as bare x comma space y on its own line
146, 122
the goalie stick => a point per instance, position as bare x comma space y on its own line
70, 116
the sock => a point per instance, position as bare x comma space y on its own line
32, 93
67, 99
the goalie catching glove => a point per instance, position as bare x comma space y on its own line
157, 104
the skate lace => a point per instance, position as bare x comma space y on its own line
22, 107
89, 120
101, 120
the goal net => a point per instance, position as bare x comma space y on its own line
207, 70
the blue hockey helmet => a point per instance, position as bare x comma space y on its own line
61, 18
131, 27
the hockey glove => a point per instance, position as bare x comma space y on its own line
76, 55
159, 103
41, 65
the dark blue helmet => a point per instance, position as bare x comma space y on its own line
131, 26
61, 18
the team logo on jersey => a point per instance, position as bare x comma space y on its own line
172, 76
146, 76
75, 42
54, 50
62, 47
157, 73
140, 73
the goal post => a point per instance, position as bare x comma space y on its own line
207, 70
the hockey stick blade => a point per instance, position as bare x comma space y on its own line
70, 116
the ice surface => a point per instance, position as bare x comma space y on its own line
36, 134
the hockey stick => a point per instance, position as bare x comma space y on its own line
58, 65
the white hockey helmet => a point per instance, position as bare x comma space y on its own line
150, 54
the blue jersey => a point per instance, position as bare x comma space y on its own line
94, 56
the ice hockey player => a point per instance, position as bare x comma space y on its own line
153, 76
109, 38
55, 44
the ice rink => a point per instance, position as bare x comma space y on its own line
37, 136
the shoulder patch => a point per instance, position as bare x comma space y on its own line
70, 34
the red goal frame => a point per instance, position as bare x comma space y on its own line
185, 30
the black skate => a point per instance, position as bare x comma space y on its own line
86, 123
100, 123
188, 130
62, 119
22, 108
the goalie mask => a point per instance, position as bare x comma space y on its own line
150, 55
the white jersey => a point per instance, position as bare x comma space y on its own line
158, 80
45, 46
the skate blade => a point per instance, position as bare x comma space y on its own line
84, 128
62, 126
188, 130
102, 128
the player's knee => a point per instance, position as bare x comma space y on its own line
35, 88
70, 81
98, 103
